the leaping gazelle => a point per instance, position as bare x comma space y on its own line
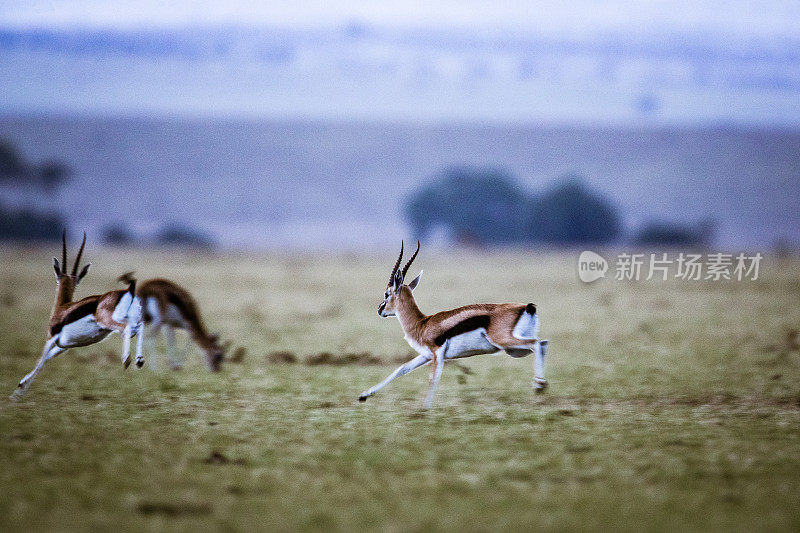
462, 332
87, 321
168, 306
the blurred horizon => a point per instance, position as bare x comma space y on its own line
299, 117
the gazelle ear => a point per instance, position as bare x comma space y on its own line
415, 282
56, 268
84, 271
398, 281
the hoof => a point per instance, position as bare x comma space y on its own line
363, 398
126, 363
17, 394
540, 386
140, 363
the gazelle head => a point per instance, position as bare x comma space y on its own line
395, 290
215, 353
69, 281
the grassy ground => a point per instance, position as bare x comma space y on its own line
672, 405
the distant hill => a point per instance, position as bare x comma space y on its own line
317, 183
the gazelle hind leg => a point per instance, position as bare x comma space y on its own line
539, 381
402, 370
140, 345
51, 349
436, 374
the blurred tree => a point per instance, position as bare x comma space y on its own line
477, 205
52, 174
14, 169
486, 206
671, 234
176, 234
29, 225
569, 213
117, 234
12, 166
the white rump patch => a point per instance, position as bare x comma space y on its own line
129, 309
527, 327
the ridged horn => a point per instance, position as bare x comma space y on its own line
396, 265
64, 251
78, 259
405, 268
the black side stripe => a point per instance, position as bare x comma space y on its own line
470, 324
79, 312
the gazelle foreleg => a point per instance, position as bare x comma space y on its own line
402, 370
436, 374
182, 353
51, 349
127, 333
153, 332
172, 357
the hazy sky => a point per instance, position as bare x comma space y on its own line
578, 17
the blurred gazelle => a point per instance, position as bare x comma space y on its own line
169, 306
462, 332
87, 321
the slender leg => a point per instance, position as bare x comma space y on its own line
182, 353
126, 345
169, 335
140, 345
539, 381
153, 359
436, 374
51, 349
402, 370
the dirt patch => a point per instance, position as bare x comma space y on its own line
94, 357
286, 357
218, 458
789, 343
238, 355
281, 357
328, 358
174, 509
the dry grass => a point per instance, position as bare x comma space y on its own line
672, 405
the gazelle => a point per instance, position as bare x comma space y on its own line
462, 332
169, 306
87, 321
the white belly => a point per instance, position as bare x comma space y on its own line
468, 344
82, 332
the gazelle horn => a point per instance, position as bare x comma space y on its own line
405, 268
78, 259
396, 265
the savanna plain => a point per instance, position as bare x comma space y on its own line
672, 405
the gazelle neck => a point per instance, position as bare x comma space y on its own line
65, 292
407, 311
